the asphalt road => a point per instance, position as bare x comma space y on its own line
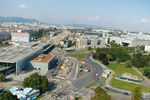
93, 75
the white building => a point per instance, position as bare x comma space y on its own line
130, 41
20, 37
104, 75
147, 48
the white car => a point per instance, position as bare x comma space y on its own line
97, 74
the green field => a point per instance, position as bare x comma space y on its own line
82, 55
127, 85
120, 69
103, 79
91, 85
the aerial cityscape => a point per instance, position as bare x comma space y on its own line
74, 50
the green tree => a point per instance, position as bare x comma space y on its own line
89, 48
70, 43
139, 60
141, 48
8, 96
61, 47
114, 44
2, 77
114, 53
103, 58
37, 82
136, 93
100, 94
117, 60
128, 63
1, 42
44, 83
147, 73
74, 43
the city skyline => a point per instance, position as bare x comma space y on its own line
132, 15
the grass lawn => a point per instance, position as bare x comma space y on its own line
91, 85
39, 97
120, 69
82, 55
127, 85
103, 79
82, 50
142, 69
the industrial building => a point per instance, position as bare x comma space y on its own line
20, 36
15, 58
85, 42
43, 63
92, 39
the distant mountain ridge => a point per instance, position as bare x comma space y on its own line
17, 19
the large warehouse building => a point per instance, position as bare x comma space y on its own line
15, 58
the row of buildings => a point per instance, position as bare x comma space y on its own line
132, 39
102, 39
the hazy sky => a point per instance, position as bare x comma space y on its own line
127, 14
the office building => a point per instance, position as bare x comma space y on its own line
20, 36
42, 63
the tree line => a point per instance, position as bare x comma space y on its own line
110, 54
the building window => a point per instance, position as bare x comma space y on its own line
88, 42
98, 42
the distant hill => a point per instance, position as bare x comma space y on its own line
17, 19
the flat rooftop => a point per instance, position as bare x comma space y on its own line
43, 58
12, 53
